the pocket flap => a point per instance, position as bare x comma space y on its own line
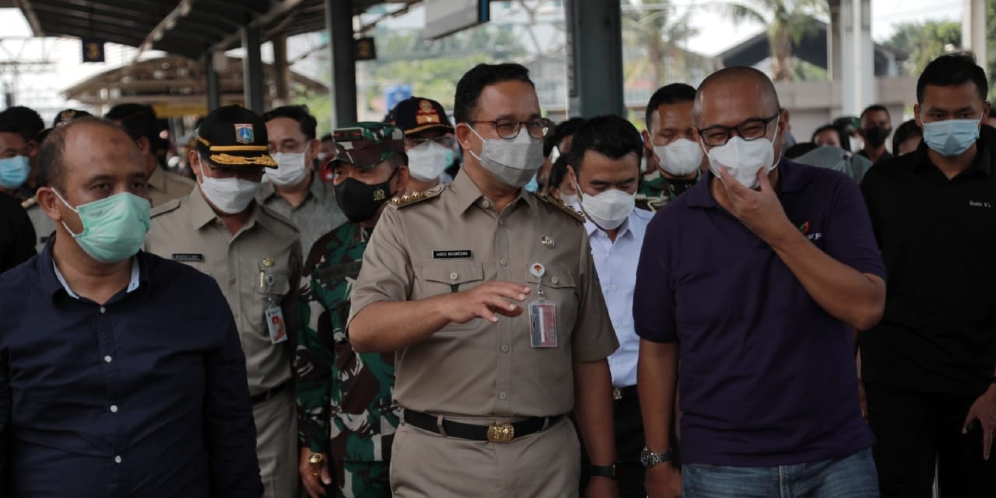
453, 272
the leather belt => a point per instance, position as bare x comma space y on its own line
621, 393
497, 433
268, 395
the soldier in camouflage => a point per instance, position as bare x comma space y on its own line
346, 411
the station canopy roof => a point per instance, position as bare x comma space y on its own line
183, 27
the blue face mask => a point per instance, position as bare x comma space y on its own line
114, 228
14, 172
951, 137
532, 186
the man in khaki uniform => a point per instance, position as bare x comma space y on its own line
489, 296
140, 122
255, 256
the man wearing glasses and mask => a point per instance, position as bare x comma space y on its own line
759, 276
489, 296
428, 141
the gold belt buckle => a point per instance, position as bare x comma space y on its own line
502, 433
616, 393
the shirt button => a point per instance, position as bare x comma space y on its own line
235, 316
114, 408
503, 262
501, 222
554, 280
454, 276
232, 281
117, 459
503, 395
504, 348
485, 204
615, 287
103, 309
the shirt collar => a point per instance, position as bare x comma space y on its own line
982, 162
138, 274
629, 228
790, 179
468, 193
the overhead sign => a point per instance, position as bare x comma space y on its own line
445, 17
93, 49
396, 93
364, 49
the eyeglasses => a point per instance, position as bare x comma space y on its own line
751, 129
444, 140
509, 129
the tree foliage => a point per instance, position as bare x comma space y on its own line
924, 42
787, 20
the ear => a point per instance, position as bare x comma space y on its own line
33, 149
312, 152
401, 179
986, 109
572, 175
916, 115
194, 163
144, 145
464, 136
647, 142
783, 122
49, 203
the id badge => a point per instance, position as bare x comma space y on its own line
543, 324
275, 323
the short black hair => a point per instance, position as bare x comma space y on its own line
558, 133
326, 138
470, 86
842, 136
951, 70
669, 94
23, 121
51, 165
557, 173
299, 113
905, 131
608, 135
875, 108
800, 149
140, 120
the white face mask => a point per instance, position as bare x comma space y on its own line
608, 209
744, 158
427, 161
291, 168
511, 162
679, 158
570, 200
229, 195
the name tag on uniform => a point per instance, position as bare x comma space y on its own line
275, 323
457, 254
339, 272
187, 257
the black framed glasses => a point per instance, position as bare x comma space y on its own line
751, 129
509, 129
444, 140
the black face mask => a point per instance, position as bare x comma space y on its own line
359, 201
876, 136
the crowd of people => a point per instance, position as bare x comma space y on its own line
497, 306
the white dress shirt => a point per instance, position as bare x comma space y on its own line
616, 265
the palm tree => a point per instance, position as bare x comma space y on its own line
787, 20
658, 30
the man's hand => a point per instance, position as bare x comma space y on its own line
486, 301
984, 410
602, 487
760, 211
663, 481
311, 482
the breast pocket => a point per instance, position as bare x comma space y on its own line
450, 277
559, 287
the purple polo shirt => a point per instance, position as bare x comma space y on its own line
767, 377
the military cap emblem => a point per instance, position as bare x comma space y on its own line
244, 133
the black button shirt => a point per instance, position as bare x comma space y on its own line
938, 241
17, 235
144, 396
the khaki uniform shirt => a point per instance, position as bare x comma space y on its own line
456, 241
189, 231
316, 216
165, 186
43, 225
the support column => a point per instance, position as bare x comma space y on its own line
973, 30
858, 74
252, 68
339, 25
281, 71
596, 39
212, 82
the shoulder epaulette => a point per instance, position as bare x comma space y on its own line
415, 197
166, 207
29, 203
559, 204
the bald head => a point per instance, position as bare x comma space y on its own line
75, 139
736, 83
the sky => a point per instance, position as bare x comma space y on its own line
716, 34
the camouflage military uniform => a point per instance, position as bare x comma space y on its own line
344, 398
656, 192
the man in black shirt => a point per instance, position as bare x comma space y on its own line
17, 236
876, 126
928, 365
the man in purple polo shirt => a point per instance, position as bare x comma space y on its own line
760, 274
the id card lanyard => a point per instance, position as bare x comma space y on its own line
274, 314
542, 314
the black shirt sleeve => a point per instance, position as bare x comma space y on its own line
17, 235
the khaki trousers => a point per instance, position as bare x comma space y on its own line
276, 445
544, 464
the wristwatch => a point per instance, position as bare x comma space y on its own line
649, 458
603, 471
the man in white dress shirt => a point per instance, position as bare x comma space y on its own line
605, 168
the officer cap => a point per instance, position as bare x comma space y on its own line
233, 137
